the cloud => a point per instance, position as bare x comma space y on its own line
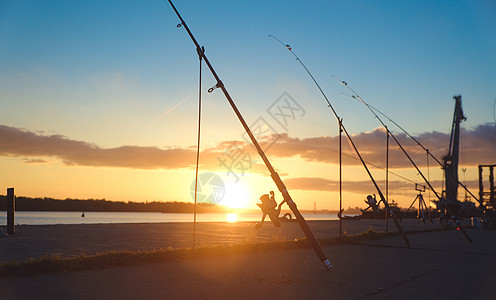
365, 187
228, 156
360, 187
17, 142
477, 147
238, 156
35, 161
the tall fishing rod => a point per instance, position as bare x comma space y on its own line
459, 227
418, 143
383, 199
275, 177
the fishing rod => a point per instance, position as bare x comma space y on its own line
342, 127
459, 227
275, 177
418, 143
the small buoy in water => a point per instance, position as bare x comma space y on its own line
82, 216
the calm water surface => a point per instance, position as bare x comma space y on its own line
49, 218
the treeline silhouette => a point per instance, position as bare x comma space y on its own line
50, 204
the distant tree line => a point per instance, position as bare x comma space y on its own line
50, 204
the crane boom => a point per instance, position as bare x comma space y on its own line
452, 158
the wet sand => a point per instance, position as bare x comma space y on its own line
440, 265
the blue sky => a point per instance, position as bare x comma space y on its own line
407, 58
106, 72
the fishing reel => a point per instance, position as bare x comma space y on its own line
269, 207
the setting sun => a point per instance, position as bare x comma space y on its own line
231, 218
237, 195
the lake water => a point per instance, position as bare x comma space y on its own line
67, 217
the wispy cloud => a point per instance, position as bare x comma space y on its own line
35, 161
174, 107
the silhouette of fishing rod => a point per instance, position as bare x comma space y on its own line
277, 180
459, 227
352, 144
413, 138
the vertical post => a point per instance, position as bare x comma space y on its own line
10, 210
429, 178
387, 178
340, 179
198, 144
481, 185
491, 185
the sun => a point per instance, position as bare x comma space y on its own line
237, 195
231, 218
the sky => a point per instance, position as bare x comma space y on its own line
99, 99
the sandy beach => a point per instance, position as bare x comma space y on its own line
440, 265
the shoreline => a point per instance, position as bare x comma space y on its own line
46, 218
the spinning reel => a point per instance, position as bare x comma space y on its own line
269, 207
